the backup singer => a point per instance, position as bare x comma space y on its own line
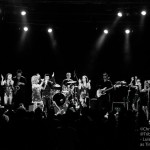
19, 89
36, 91
135, 88
136, 100
84, 87
8, 84
144, 102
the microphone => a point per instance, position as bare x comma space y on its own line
74, 74
53, 74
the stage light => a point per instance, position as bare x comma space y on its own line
49, 30
23, 13
127, 31
143, 12
106, 31
119, 14
25, 29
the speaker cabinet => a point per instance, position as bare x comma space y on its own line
119, 105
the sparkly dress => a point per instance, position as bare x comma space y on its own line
36, 93
8, 89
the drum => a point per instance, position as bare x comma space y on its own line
59, 98
65, 93
56, 89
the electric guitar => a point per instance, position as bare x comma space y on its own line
103, 91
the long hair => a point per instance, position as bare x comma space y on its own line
6, 77
34, 79
85, 78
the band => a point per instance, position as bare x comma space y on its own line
74, 94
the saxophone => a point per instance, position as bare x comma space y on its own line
17, 87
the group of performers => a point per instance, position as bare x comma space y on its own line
74, 94
11, 87
46, 93
131, 95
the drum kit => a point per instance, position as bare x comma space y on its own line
63, 97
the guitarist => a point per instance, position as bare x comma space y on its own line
19, 89
104, 98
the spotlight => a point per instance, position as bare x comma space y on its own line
143, 12
23, 13
49, 30
119, 14
106, 31
127, 31
25, 29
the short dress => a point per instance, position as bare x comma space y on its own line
36, 93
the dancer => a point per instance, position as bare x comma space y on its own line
84, 87
8, 84
36, 92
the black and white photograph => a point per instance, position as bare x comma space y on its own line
74, 74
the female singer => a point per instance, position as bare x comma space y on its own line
84, 87
8, 92
138, 88
145, 98
36, 91
134, 91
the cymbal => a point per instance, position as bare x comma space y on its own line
56, 86
65, 91
123, 82
71, 82
118, 82
75, 86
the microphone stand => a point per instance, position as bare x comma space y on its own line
75, 76
77, 101
148, 104
129, 92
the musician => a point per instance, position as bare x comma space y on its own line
47, 86
36, 91
104, 101
1, 94
8, 84
137, 94
84, 87
144, 98
135, 88
66, 86
19, 89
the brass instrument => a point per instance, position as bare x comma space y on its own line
16, 88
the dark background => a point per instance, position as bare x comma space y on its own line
77, 25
